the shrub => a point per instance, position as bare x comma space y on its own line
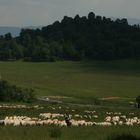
13, 93
27, 59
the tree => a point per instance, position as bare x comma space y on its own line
56, 49
91, 16
138, 101
78, 38
40, 53
16, 50
69, 51
6, 53
8, 36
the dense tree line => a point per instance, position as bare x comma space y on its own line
78, 38
10, 93
9, 48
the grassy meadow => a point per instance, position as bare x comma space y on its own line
66, 133
76, 79
44, 133
81, 81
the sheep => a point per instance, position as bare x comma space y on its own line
45, 115
92, 112
115, 119
74, 123
109, 113
50, 115
115, 123
81, 122
104, 124
60, 107
27, 119
52, 119
108, 119
41, 122
95, 116
31, 123
16, 122
120, 123
8, 121
129, 123
85, 116
117, 113
89, 117
123, 116
23, 123
89, 123
62, 123
77, 116
131, 113
138, 123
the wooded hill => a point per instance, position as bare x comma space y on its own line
92, 37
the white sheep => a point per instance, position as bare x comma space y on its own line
108, 119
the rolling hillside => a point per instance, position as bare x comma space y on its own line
76, 79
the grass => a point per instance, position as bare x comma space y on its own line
43, 133
55, 108
76, 79
80, 81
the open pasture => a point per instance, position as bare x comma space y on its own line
112, 83
44, 133
96, 79
49, 112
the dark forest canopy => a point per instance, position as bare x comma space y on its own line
92, 37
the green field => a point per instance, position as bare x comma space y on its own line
76, 79
65, 133
80, 80
43, 133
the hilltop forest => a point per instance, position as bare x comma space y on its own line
92, 37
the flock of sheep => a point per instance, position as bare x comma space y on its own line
12, 106
88, 118
58, 120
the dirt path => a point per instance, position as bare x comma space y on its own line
114, 98
109, 98
55, 99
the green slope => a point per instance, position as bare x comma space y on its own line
78, 79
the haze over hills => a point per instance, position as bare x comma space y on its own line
15, 31
131, 21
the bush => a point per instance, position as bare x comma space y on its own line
53, 59
27, 59
13, 93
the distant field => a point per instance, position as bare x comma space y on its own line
76, 79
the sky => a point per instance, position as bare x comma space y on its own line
44, 12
